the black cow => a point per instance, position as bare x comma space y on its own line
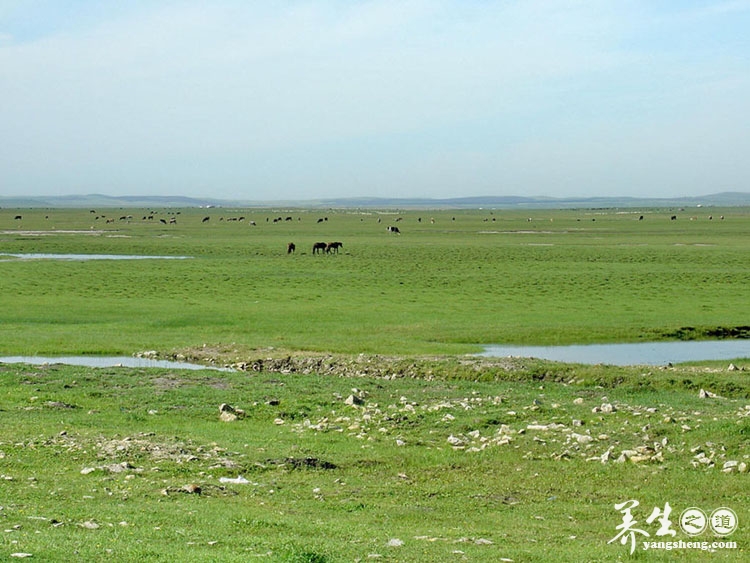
393, 230
290, 248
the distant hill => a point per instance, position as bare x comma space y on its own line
498, 202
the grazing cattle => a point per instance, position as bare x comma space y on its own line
290, 248
334, 247
173, 220
393, 230
160, 220
640, 218
673, 218
318, 247
205, 219
320, 220
253, 223
18, 217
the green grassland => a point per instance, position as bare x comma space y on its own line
468, 278
126, 465
367, 433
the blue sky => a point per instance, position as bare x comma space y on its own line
290, 100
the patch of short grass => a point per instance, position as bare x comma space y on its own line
127, 464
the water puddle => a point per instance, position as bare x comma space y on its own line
105, 362
645, 353
84, 257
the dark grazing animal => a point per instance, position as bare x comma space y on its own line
319, 247
393, 230
290, 248
334, 247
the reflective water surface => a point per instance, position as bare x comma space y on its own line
104, 362
84, 257
641, 353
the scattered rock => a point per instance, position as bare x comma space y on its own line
190, 488
59, 405
239, 480
483, 541
354, 401
730, 466
582, 438
395, 542
303, 463
454, 441
118, 467
228, 413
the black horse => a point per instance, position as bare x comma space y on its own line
334, 247
319, 247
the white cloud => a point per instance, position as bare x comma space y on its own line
435, 91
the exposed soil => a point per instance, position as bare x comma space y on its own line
362, 365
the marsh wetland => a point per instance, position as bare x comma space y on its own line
360, 420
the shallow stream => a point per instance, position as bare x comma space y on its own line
640, 353
104, 362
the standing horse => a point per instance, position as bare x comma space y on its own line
318, 247
290, 248
334, 247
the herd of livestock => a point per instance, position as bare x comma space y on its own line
317, 248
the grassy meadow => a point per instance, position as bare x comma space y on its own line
450, 282
368, 432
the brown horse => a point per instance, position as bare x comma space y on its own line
334, 247
318, 247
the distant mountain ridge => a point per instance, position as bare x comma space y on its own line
500, 202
